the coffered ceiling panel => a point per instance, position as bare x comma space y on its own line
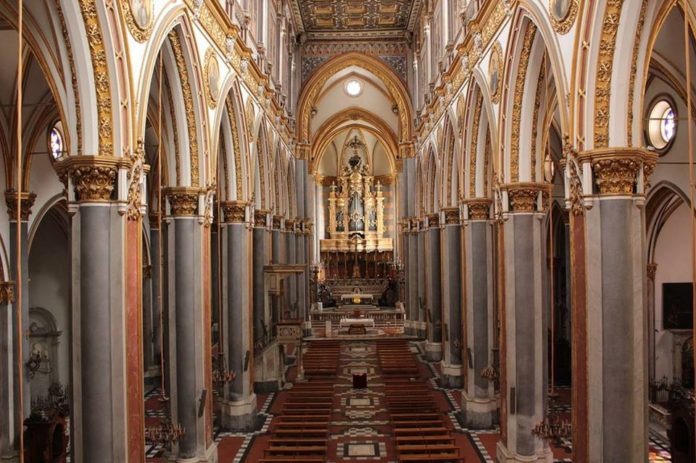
355, 16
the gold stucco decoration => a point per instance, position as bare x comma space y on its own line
139, 17
183, 201
93, 177
212, 78
495, 72
563, 14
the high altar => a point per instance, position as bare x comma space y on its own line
356, 246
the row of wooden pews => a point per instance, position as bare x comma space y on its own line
301, 432
420, 431
321, 359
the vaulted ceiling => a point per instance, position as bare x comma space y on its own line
356, 18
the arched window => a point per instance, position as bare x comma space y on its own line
56, 145
662, 124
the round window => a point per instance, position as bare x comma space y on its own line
56, 146
353, 87
662, 125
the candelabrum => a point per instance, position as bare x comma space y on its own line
553, 428
164, 434
221, 373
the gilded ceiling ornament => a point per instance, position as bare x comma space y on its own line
562, 14
139, 18
212, 81
495, 72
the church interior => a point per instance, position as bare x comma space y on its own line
347, 231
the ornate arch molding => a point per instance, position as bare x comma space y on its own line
334, 125
174, 30
531, 42
261, 161
450, 147
663, 200
397, 90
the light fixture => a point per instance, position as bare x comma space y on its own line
353, 87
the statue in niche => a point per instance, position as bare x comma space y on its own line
373, 220
339, 221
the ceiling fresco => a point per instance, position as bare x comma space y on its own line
355, 16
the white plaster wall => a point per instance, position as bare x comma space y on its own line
49, 285
673, 266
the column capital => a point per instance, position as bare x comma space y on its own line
277, 222
27, 200
617, 171
451, 215
183, 200
93, 177
290, 225
7, 292
155, 219
261, 218
234, 211
651, 269
307, 226
433, 220
478, 208
524, 197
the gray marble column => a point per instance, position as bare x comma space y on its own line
9, 418
479, 404
304, 239
525, 324
157, 292
191, 393
451, 272
238, 405
410, 255
291, 254
261, 257
10, 399
433, 295
106, 421
609, 306
421, 230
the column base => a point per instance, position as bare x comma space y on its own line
266, 387
9, 458
503, 455
433, 351
479, 413
452, 376
210, 456
238, 415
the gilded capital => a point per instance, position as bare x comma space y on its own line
7, 292
290, 225
451, 215
261, 217
434, 220
93, 177
277, 221
183, 201
234, 211
523, 197
479, 209
617, 170
27, 201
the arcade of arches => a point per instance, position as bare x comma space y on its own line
341, 230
